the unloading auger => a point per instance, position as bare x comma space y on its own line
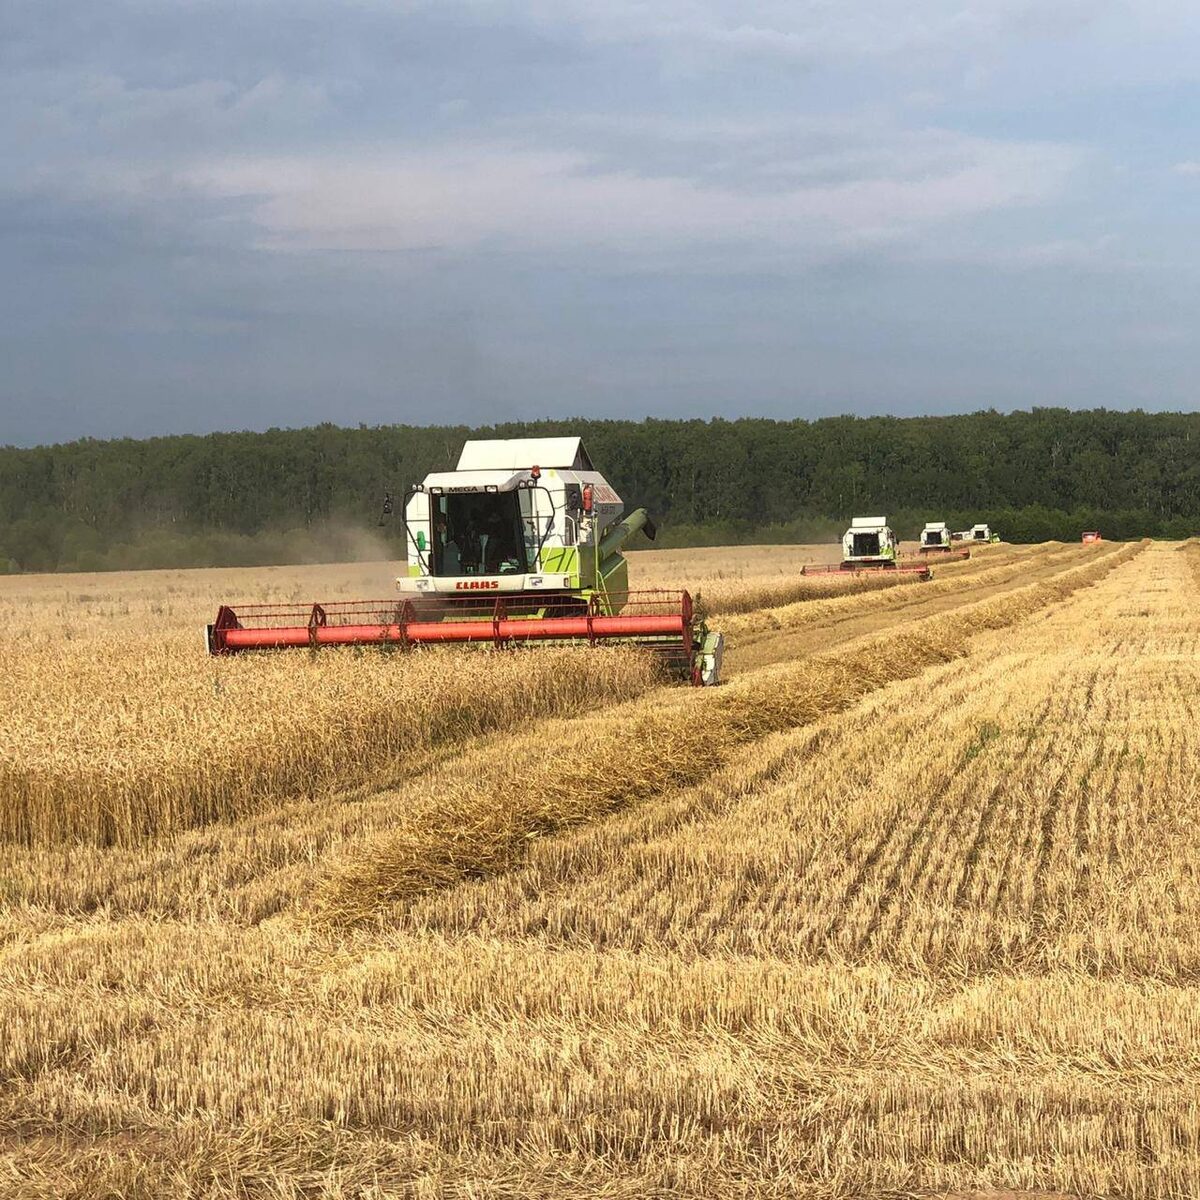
520, 544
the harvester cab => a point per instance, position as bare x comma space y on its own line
869, 543
520, 544
524, 517
934, 537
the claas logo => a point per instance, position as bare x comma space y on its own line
477, 585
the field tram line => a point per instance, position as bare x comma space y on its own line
1082, 820
970, 863
1026, 850
918, 836
1047, 829
988, 814
1046, 825
974, 816
1022, 849
840, 919
955, 780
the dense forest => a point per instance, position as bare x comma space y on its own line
308, 494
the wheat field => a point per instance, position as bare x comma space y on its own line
908, 907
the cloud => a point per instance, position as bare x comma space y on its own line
809, 32
51, 116
1104, 254
774, 188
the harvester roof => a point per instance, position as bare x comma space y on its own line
515, 454
934, 526
868, 522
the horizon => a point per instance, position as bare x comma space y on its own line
471, 429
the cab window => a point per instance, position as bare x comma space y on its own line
479, 533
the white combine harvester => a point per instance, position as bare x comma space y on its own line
519, 545
934, 537
869, 542
980, 533
870, 545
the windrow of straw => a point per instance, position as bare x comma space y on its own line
944, 582
464, 827
725, 597
737, 594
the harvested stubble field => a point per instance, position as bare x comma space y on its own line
913, 911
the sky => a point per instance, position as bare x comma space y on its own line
237, 214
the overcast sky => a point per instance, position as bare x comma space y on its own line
231, 214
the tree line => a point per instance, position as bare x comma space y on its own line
312, 494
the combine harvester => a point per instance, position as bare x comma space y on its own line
936, 539
870, 545
520, 544
980, 533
